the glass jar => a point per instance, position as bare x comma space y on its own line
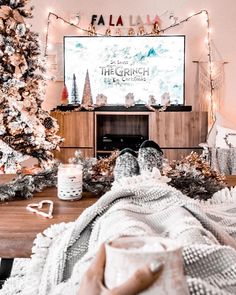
70, 181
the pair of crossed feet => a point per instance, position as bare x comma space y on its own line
131, 163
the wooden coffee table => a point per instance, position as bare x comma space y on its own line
19, 227
231, 180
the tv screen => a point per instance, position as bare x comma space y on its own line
148, 68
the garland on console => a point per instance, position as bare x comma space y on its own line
97, 174
194, 177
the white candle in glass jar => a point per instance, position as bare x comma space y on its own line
70, 181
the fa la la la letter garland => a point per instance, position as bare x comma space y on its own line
112, 20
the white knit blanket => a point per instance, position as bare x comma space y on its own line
137, 206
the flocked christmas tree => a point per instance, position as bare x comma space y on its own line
74, 91
87, 99
24, 126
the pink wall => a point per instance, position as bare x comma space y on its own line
222, 18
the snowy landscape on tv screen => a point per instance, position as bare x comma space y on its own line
148, 67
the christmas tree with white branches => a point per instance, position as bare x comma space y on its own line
25, 128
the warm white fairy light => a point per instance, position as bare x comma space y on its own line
214, 105
50, 46
75, 19
80, 31
62, 23
208, 97
213, 69
204, 19
210, 66
48, 10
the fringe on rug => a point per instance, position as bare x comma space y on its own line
146, 177
15, 284
224, 196
40, 252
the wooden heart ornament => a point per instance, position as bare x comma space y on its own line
35, 208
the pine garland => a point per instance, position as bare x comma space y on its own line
24, 186
194, 177
97, 174
97, 178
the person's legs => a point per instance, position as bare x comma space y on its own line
150, 155
126, 164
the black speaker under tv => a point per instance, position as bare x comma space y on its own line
110, 142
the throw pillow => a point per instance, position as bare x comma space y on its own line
225, 137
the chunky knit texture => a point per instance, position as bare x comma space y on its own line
141, 205
150, 157
126, 165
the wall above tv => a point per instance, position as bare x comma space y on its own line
152, 68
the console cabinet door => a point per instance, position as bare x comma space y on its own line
178, 129
77, 128
178, 133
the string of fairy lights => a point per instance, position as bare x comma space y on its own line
91, 31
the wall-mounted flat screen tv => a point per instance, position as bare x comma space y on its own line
151, 68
